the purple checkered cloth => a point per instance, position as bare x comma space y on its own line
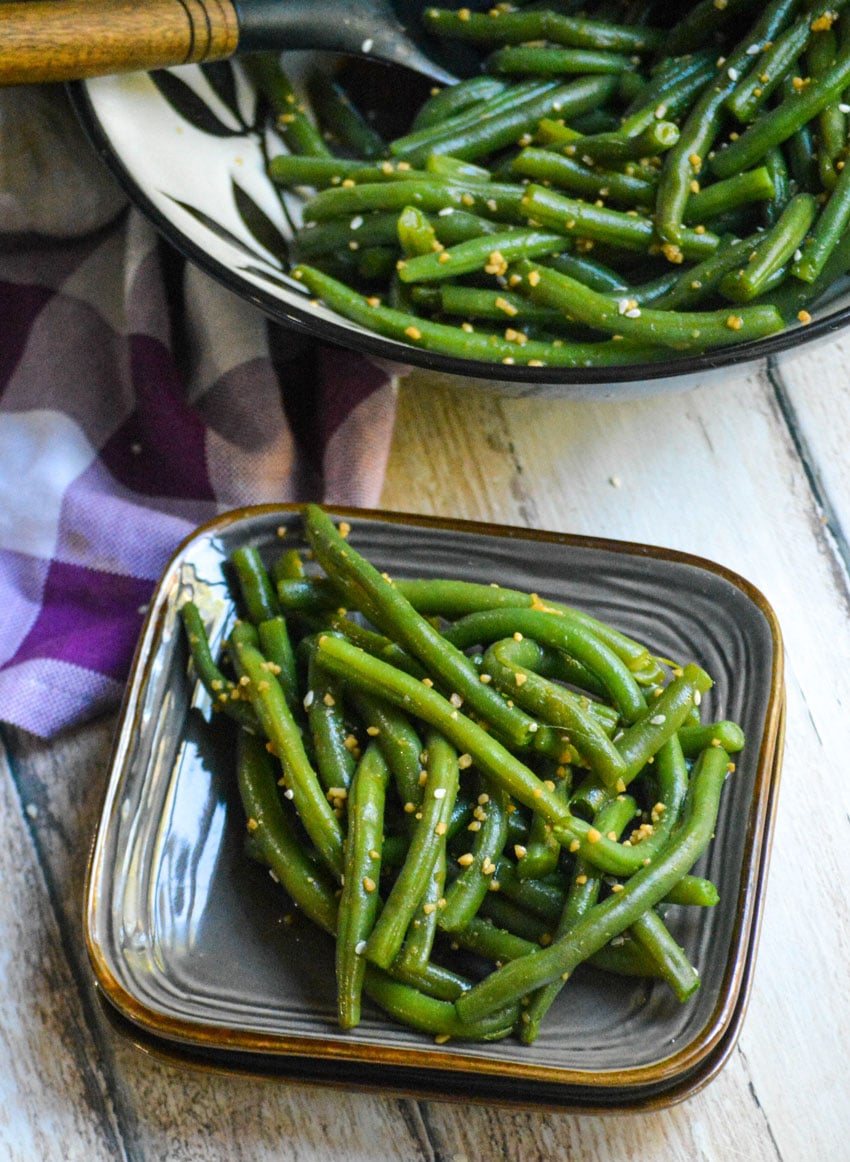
138, 398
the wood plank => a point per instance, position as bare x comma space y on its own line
715, 473
811, 385
161, 1109
53, 1103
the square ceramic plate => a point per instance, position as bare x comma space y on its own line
186, 935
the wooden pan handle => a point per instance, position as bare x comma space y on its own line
66, 40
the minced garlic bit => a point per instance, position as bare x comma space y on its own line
466, 859
413, 332
496, 263
464, 761
369, 884
593, 835
804, 317
734, 322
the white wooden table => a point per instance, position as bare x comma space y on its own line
756, 476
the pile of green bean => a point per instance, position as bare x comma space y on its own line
608, 189
474, 790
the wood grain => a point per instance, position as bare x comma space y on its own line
62, 40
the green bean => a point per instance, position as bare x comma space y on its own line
673, 965
614, 915
543, 898
374, 643
831, 121
774, 162
520, 27
755, 185
444, 166
329, 172
399, 742
358, 905
427, 839
429, 1015
276, 646
547, 166
341, 119
293, 123
275, 838
465, 895
415, 952
416, 234
829, 227
456, 599
782, 242
680, 330
511, 665
672, 89
513, 918
393, 613
255, 585
300, 779
583, 892
630, 232
476, 303
702, 125
335, 762
288, 566
620, 146
379, 228
693, 891
445, 103
429, 195
562, 632
696, 738
407, 328
778, 124
483, 937
226, 695
420, 141
542, 850
496, 131
751, 93
486, 752
490, 253
694, 285
542, 61
701, 21
596, 275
